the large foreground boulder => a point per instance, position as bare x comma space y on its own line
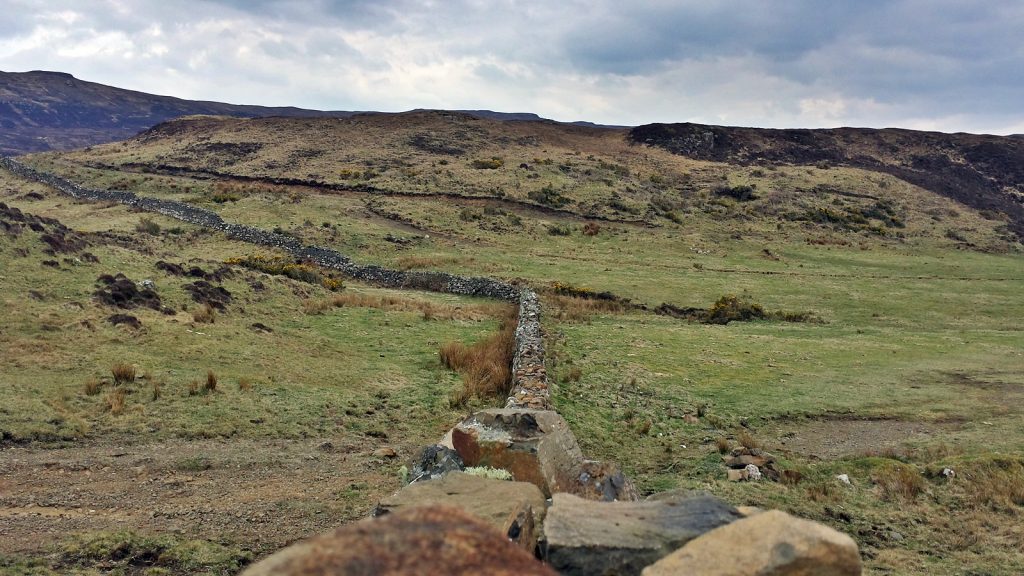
537, 446
621, 538
771, 543
515, 509
425, 540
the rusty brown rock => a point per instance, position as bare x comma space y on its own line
771, 543
537, 446
515, 508
423, 540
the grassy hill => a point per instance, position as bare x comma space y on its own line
902, 356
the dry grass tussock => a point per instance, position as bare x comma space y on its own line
485, 366
123, 372
898, 482
205, 314
996, 483
429, 310
573, 309
115, 400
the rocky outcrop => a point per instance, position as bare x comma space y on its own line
596, 538
537, 446
424, 540
515, 509
770, 543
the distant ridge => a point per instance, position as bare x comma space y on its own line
526, 117
41, 111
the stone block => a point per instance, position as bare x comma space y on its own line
514, 508
585, 537
537, 446
771, 543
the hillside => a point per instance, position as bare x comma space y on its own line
605, 174
42, 111
843, 319
980, 171
55, 111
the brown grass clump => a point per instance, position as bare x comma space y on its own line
92, 386
898, 481
723, 445
311, 307
485, 366
591, 229
115, 400
193, 388
574, 375
747, 440
244, 384
211, 382
205, 314
157, 389
573, 309
123, 372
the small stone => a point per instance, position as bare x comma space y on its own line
844, 479
948, 472
735, 475
753, 473
434, 462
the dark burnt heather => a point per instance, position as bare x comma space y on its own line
983, 172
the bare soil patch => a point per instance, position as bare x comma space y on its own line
261, 495
829, 439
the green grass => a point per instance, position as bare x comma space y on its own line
917, 328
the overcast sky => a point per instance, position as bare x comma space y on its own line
927, 64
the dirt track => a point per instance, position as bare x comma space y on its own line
260, 495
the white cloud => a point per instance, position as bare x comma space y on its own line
794, 63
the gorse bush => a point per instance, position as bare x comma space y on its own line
488, 164
730, 307
280, 266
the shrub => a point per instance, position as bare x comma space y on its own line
147, 226
492, 163
548, 196
741, 193
560, 230
123, 372
730, 307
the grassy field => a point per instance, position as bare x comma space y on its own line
914, 364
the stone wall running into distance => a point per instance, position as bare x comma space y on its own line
580, 516
529, 377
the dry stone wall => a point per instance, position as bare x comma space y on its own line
529, 376
594, 523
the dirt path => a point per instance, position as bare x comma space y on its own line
260, 495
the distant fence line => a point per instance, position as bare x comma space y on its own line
530, 387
